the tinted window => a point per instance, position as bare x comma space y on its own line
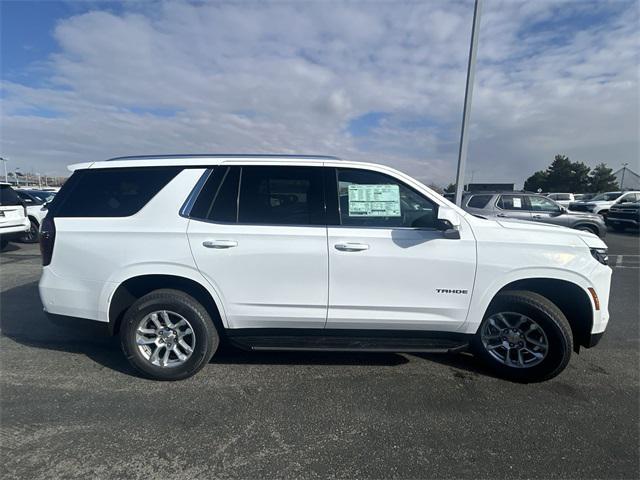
372, 199
541, 204
117, 192
28, 199
512, 202
8, 196
218, 199
281, 196
479, 201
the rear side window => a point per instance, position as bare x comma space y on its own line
479, 201
281, 195
8, 196
113, 192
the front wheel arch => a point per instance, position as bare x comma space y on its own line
570, 298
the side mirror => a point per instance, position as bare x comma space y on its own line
449, 222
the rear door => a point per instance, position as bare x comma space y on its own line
389, 265
258, 234
514, 206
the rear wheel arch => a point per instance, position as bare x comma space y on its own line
570, 298
136, 287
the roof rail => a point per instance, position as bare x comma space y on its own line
224, 155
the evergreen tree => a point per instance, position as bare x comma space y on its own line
602, 179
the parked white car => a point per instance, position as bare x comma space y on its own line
602, 203
35, 201
13, 215
563, 199
175, 254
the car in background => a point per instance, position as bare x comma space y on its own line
531, 207
581, 197
624, 215
601, 203
35, 201
563, 199
13, 215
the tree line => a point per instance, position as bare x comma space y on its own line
563, 175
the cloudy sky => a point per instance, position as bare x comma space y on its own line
375, 81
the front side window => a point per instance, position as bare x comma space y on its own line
281, 195
541, 204
512, 202
372, 199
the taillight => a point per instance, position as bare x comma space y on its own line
47, 239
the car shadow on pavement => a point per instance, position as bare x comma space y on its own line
23, 321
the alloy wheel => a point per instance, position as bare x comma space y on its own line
165, 338
514, 340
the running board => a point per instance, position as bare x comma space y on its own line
399, 342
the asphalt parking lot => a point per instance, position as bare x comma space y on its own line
72, 408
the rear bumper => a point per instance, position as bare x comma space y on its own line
14, 231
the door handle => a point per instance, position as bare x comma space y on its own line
351, 247
537, 216
220, 243
502, 215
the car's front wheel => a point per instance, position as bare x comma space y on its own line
168, 335
524, 337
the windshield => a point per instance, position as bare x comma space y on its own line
42, 196
606, 196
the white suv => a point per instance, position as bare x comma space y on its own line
175, 254
601, 203
13, 216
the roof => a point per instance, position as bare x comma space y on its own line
225, 155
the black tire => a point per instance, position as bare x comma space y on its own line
3, 243
617, 228
204, 331
33, 235
550, 319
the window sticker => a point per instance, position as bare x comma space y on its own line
374, 200
517, 202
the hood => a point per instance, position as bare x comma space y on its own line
589, 239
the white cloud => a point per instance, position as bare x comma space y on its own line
178, 77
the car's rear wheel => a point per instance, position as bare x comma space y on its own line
3, 243
168, 335
33, 234
524, 337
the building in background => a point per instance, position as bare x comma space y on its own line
627, 179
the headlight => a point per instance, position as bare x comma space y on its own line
600, 254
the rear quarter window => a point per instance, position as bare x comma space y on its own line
112, 192
8, 196
479, 201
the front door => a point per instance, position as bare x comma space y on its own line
258, 235
389, 265
546, 211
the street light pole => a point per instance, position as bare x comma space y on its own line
4, 160
468, 93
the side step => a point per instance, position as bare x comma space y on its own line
314, 340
